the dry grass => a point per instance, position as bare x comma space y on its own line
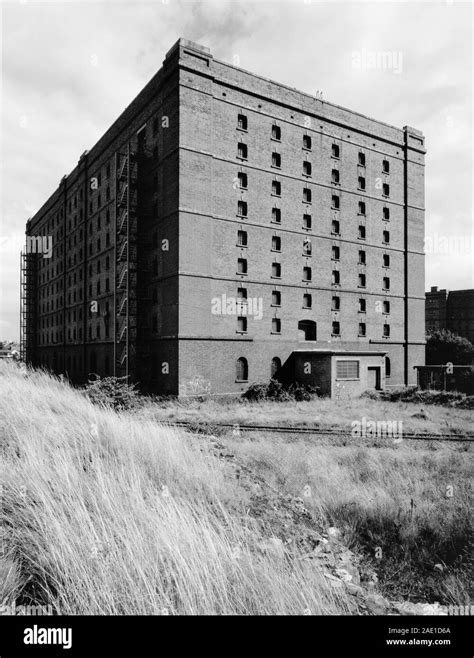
112, 514
320, 411
396, 498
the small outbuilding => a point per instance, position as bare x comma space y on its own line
340, 373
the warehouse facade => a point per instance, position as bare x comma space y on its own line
222, 227
452, 310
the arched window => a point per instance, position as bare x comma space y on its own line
306, 330
242, 370
388, 367
275, 367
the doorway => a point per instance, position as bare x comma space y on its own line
306, 330
373, 378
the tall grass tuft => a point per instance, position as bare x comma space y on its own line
107, 513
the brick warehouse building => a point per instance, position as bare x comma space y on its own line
216, 185
452, 310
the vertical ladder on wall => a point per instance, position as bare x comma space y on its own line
27, 305
126, 263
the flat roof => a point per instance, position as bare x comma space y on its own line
317, 350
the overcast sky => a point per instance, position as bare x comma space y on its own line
69, 69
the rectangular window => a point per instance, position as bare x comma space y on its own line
242, 151
335, 277
276, 243
335, 151
336, 303
361, 208
386, 213
276, 160
386, 260
242, 180
386, 189
386, 330
307, 247
335, 177
361, 232
386, 237
242, 325
307, 221
307, 142
386, 167
276, 326
276, 215
307, 300
241, 266
336, 329
362, 258
242, 238
241, 293
276, 188
276, 270
361, 280
335, 252
276, 132
361, 183
362, 305
386, 283
242, 208
335, 227
276, 298
307, 196
307, 168
361, 159
347, 369
242, 122
307, 274
335, 201
386, 307
361, 328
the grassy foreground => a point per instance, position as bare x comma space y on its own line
405, 506
407, 510
112, 514
322, 412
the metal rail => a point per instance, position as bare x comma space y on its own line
320, 431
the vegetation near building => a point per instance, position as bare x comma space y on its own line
444, 346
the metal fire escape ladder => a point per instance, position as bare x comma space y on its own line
126, 266
28, 263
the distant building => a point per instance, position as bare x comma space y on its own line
226, 229
452, 310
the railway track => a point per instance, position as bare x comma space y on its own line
321, 432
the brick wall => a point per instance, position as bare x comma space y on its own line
212, 94
189, 223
